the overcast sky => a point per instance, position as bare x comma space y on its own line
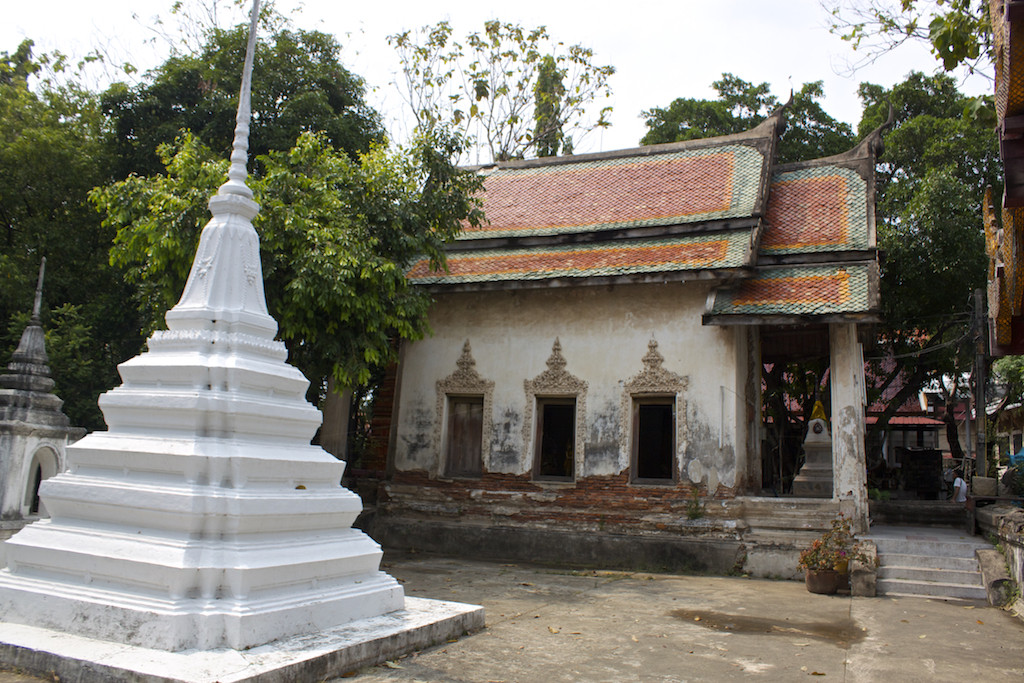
661, 49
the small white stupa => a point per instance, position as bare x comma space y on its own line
34, 431
203, 518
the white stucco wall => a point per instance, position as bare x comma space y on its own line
604, 333
22, 450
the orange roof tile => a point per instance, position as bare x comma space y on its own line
673, 187
816, 209
620, 257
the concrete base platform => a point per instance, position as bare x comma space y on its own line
310, 657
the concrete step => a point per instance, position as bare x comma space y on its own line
937, 548
908, 588
929, 575
923, 562
966, 564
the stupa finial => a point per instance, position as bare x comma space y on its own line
37, 307
225, 285
240, 147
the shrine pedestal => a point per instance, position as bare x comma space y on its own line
815, 477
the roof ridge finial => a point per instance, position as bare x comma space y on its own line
37, 307
240, 147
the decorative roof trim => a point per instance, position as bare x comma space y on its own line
763, 132
621, 257
823, 293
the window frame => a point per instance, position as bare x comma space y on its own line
540, 402
659, 399
449, 471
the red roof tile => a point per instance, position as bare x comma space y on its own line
622, 257
672, 187
816, 209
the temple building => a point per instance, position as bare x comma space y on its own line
592, 387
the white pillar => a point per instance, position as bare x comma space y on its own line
848, 398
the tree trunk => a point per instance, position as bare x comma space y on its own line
334, 432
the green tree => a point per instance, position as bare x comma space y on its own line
299, 85
1008, 374
740, 106
51, 155
485, 85
930, 187
337, 235
547, 95
958, 31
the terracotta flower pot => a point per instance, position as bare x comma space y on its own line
823, 581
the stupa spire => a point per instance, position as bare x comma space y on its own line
37, 307
240, 147
224, 290
29, 369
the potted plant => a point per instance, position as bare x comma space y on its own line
826, 562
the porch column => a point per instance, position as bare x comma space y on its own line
849, 486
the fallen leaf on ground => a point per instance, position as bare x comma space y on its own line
981, 622
922, 636
817, 673
634, 639
552, 629
392, 665
696, 618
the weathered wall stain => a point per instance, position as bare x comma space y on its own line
418, 439
602, 455
507, 442
704, 461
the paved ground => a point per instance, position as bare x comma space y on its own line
547, 626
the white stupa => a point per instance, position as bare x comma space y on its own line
202, 518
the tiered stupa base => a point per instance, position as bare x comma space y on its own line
310, 657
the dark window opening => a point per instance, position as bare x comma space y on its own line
37, 480
653, 440
465, 436
556, 439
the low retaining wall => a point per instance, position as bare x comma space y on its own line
1006, 523
564, 548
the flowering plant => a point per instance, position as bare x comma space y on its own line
835, 549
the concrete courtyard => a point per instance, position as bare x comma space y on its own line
548, 625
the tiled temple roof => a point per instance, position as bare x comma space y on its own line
621, 257
818, 290
668, 188
823, 208
792, 241
817, 258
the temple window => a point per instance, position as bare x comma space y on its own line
465, 436
654, 427
555, 445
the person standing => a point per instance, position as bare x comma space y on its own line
959, 488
